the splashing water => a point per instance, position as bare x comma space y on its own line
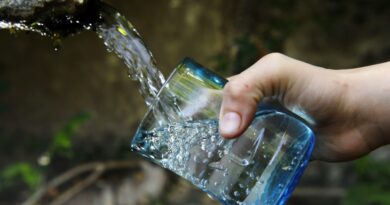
120, 36
234, 176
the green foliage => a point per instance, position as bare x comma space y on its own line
373, 185
62, 142
24, 172
28, 173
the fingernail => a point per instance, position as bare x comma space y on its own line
230, 123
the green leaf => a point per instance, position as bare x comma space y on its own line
62, 142
372, 186
20, 172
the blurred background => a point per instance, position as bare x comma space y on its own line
67, 116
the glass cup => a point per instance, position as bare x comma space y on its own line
180, 133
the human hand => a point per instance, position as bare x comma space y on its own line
342, 105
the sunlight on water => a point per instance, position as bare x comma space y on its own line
18, 27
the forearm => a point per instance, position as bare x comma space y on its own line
348, 109
370, 90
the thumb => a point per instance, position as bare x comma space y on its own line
242, 94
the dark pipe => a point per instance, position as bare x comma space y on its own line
50, 17
24, 9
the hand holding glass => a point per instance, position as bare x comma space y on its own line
180, 133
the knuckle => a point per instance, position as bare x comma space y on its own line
273, 63
273, 58
236, 89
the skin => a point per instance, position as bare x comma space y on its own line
349, 109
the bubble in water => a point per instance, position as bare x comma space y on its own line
220, 153
209, 154
225, 192
217, 166
196, 158
212, 139
236, 194
287, 168
245, 162
203, 145
294, 161
261, 181
225, 151
247, 191
220, 142
252, 175
203, 183
236, 159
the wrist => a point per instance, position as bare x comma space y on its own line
370, 93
